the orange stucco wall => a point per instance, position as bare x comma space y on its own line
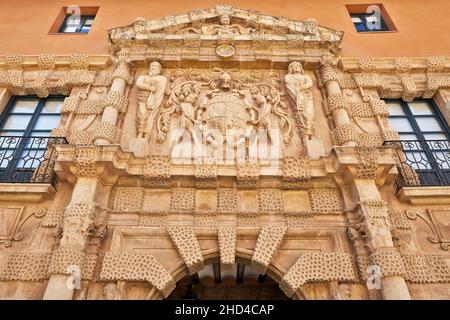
422, 25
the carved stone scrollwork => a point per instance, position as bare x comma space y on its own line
435, 221
17, 218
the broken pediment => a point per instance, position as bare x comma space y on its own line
224, 32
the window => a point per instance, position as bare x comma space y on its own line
76, 20
25, 128
425, 138
365, 22
77, 24
370, 18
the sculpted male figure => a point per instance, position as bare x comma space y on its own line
298, 87
156, 84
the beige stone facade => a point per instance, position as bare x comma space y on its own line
251, 141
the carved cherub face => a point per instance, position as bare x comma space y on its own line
224, 19
155, 68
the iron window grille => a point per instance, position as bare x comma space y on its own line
423, 152
27, 153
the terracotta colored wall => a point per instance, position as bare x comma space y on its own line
24, 24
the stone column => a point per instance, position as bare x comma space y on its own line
335, 102
67, 260
107, 131
372, 212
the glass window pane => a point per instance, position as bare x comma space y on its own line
30, 158
89, 21
53, 106
435, 136
70, 29
401, 124
372, 19
356, 20
12, 133
408, 136
19, 122
85, 29
428, 124
418, 160
40, 133
73, 21
420, 108
24, 106
46, 122
5, 157
442, 159
395, 109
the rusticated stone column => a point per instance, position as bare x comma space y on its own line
67, 260
107, 131
372, 212
343, 128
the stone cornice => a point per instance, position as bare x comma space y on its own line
95, 62
389, 64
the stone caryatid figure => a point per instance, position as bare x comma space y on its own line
298, 87
156, 85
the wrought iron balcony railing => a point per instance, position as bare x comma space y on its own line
28, 159
422, 163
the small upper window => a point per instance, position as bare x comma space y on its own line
74, 20
365, 22
370, 18
77, 24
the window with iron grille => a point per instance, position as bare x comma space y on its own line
425, 139
25, 128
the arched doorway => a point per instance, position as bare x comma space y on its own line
237, 283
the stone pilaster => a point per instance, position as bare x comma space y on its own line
371, 212
77, 225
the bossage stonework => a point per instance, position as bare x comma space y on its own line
222, 152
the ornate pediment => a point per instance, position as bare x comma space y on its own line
224, 32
